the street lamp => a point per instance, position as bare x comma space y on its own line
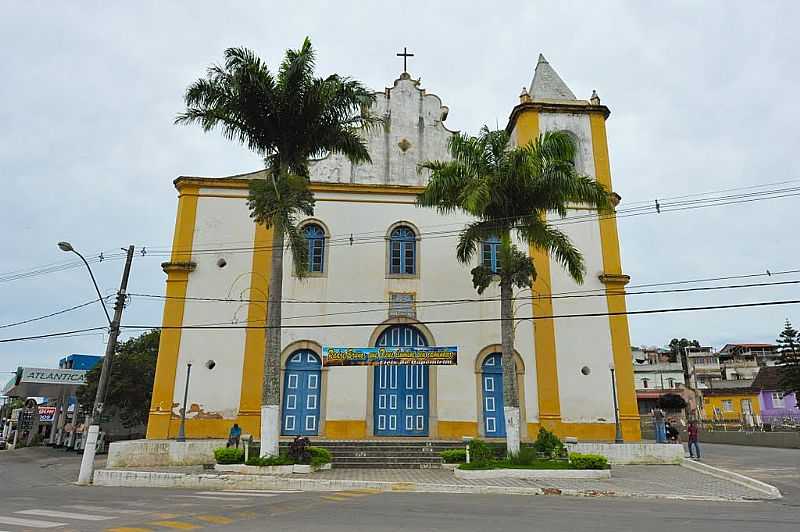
210, 364
90, 443
618, 434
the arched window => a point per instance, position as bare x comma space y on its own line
403, 251
644, 383
671, 382
315, 238
490, 250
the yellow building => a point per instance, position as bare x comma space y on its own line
731, 401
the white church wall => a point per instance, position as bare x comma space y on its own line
358, 272
581, 341
412, 132
221, 223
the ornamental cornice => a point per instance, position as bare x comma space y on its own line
186, 266
614, 278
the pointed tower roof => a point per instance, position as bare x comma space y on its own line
547, 84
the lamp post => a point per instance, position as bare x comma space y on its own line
182, 427
210, 364
87, 462
618, 433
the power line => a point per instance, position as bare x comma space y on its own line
554, 295
51, 335
52, 314
428, 322
471, 320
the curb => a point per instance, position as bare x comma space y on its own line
770, 491
152, 479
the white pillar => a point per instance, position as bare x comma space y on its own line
512, 429
87, 462
56, 420
270, 425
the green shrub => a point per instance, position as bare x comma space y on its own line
454, 456
526, 456
588, 461
548, 443
229, 455
320, 456
269, 461
480, 451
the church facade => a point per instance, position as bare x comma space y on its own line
383, 272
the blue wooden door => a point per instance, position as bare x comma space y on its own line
494, 420
400, 404
301, 394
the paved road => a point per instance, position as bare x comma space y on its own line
35, 492
779, 467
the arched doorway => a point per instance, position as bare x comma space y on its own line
494, 420
301, 394
400, 393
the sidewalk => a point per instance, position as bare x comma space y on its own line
664, 482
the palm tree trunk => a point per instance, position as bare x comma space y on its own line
510, 396
271, 391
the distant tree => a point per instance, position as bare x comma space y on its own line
789, 347
671, 401
130, 384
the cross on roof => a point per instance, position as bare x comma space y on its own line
405, 55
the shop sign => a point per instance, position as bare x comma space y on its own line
47, 414
390, 356
53, 376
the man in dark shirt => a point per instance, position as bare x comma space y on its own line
694, 447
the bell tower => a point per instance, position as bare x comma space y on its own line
568, 397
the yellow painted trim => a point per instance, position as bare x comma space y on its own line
253, 364
239, 183
544, 334
346, 429
612, 268
169, 345
588, 431
454, 430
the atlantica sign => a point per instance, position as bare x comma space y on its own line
390, 356
51, 376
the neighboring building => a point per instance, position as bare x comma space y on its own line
655, 375
76, 361
732, 401
742, 361
775, 405
561, 365
703, 367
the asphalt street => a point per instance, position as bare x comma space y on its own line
36, 493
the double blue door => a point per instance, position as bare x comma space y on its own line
301, 394
494, 419
400, 402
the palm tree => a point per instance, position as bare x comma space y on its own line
509, 190
287, 119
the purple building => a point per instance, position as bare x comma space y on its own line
775, 406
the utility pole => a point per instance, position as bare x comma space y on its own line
87, 463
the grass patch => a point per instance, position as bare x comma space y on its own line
507, 464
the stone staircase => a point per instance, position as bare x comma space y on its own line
384, 454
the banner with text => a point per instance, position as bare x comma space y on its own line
390, 356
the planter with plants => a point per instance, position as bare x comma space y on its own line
545, 458
301, 458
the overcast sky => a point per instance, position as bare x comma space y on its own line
703, 97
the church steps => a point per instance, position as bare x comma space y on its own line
384, 454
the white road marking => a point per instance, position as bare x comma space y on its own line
235, 494
204, 497
263, 491
28, 522
65, 515
90, 508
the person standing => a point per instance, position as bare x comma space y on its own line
234, 436
660, 425
694, 446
